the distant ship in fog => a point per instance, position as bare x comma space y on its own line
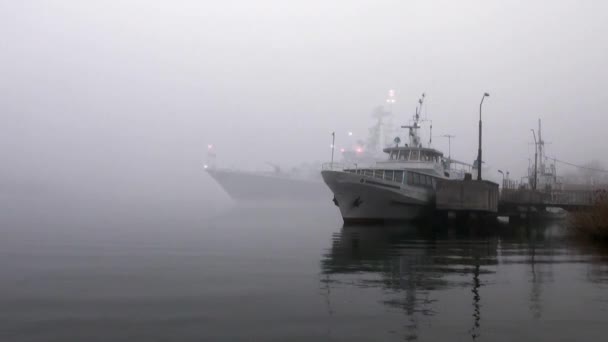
304, 182
297, 184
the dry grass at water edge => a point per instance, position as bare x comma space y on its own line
592, 223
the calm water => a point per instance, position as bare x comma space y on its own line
289, 273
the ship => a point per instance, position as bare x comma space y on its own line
542, 175
303, 182
543, 178
400, 187
272, 185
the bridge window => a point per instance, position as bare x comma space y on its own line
415, 155
399, 176
379, 174
414, 178
389, 174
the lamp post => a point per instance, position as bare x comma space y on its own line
508, 181
503, 178
535, 158
479, 150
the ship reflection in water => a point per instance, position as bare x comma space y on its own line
469, 284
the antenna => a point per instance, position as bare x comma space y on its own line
414, 138
419, 108
419, 112
449, 144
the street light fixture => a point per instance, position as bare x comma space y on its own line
479, 151
503, 178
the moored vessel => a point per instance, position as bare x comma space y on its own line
400, 187
298, 183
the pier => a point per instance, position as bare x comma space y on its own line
483, 197
540, 190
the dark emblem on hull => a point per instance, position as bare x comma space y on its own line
357, 202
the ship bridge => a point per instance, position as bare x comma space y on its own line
418, 154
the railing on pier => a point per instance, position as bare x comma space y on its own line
557, 198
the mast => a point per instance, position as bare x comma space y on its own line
540, 149
413, 135
535, 160
386, 129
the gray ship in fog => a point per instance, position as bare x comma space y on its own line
300, 183
276, 185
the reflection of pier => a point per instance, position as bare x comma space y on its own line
413, 265
459, 282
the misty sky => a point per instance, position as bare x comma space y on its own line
133, 91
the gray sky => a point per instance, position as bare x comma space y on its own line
133, 91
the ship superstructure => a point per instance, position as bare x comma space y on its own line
542, 172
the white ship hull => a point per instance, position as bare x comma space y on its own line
361, 198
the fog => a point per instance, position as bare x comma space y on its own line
119, 99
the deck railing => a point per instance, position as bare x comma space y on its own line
555, 197
343, 166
